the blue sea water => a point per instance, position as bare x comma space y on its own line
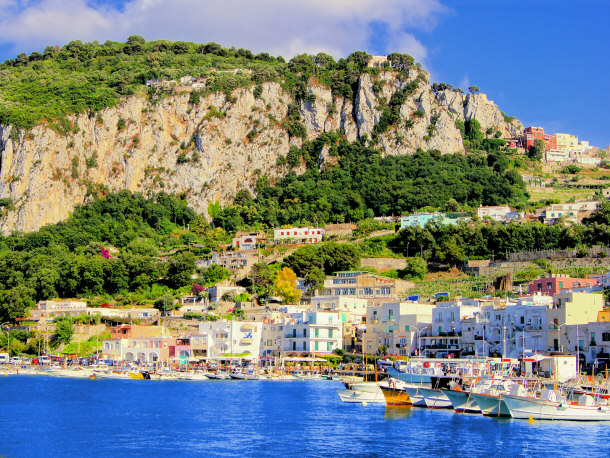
45, 416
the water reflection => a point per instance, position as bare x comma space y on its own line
397, 413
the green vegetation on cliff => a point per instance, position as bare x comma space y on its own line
363, 184
87, 77
73, 259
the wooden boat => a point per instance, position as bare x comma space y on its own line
395, 395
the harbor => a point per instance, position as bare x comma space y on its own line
230, 418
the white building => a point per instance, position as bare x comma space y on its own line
217, 292
499, 213
313, 332
353, 305
568, 211
140, 349
248, 240
510, 329
299, 235
237, 338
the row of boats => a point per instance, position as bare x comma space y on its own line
492, 394
135, 373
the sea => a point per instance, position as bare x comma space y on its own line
56, 417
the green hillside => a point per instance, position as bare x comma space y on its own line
87, 77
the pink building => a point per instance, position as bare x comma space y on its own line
558, 283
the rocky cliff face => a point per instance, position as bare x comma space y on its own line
212, 149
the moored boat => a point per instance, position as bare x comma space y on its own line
555, 406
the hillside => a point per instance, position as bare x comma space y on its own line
79, 121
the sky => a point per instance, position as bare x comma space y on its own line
546, 62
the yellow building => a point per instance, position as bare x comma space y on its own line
566, 141
571, 308
604, 315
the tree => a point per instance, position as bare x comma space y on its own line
286, 286
263, 279
15, 302
452, 205
536, 151
180, 269
214, 274
400, 61
166, 303
473, 89
64, 330
417, 268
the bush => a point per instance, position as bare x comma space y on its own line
570, 169
416, 269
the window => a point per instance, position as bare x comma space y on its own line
407, 328
316, 346
317, 334
330, 333
294, 345
391, 314
294, 333
304, 332
522, 320
329, 346
304, 345
549, 285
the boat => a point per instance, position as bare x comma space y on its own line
435, 399
416, 371
361, 396
244, 375
552, 405
219, 375
362, 392
415, 394
462, 401
395, 394
465, 401
281, 377
490, 400
193, 376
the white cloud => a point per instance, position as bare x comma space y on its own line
465, 82
280, 27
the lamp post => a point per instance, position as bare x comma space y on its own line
418, 332
559, 346
577, 346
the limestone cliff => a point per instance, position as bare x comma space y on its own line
211, 149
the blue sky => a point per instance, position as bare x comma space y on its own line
547, 62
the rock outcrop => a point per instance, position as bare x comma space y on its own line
210, 150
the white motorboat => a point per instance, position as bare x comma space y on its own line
363, 392
416, 394
244, 376
193, 376
219, 375
555, 406
361, 396
416, 371
462, 401
435, 399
